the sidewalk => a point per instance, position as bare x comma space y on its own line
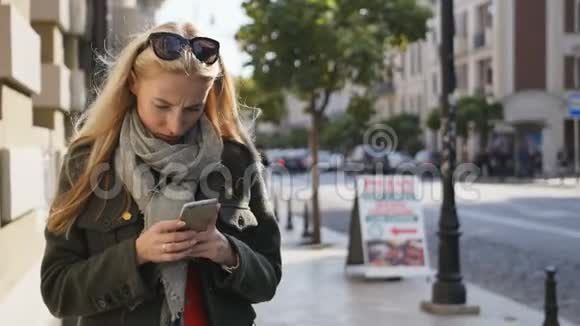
21, 248
315, 291
566, 182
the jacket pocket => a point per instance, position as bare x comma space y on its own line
108, 226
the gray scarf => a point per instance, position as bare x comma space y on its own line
139, 154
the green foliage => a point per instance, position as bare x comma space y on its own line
407, 127
470, 108
271, 103
476, 109
361, 109
313, 47
347, 130
339, 134
434, 119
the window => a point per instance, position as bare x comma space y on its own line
461, 20
403, 66
570, 72
484, 73
435, 84
484, 17
462, 77
419, 59
577, 73
412, 51
577, 16
489, 74
571, 16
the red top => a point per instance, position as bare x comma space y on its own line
194, 313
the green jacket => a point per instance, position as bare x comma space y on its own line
91, 271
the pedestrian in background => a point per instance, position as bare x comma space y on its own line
163, 131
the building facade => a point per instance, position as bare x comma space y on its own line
46, 68
523, 53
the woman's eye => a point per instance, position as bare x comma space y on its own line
162, 107
193, 109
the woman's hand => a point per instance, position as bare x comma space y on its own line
213, 245
165, 241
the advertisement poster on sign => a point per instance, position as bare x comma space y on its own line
392, 227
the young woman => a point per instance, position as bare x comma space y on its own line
163, 131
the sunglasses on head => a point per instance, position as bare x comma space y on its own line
169, 46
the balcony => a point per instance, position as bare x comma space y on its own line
56, 88
51, 11
385, 88
20, 63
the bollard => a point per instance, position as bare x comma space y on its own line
306, 217
289, 224
551, 305
276, 216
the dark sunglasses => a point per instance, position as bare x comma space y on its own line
169, 46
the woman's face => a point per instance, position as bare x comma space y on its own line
170, 104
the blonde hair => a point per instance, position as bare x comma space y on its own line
100, 125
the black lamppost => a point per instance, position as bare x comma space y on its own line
449, 294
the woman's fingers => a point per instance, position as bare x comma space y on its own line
176, 247
175, 256
202, 249
168, 226
177, 236
205, 235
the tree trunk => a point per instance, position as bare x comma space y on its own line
314, 147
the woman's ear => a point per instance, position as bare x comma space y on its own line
133, 82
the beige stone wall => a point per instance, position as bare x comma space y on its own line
35, 97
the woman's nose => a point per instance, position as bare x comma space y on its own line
176, 125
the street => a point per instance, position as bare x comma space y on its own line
511, 232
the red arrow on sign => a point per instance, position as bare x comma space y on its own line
396, 231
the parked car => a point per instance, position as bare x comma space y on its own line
327, 161
428, 157
363, 159
292, 160
401, 163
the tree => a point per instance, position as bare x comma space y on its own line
482, 113
347, 130
339, 134
471, 109
313, 48
407, 127
434, 119
434, 123
270, 102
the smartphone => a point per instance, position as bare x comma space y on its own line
198, 215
